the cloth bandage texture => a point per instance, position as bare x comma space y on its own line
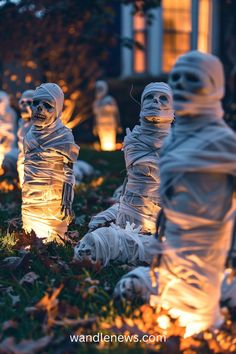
198, 167
48, 154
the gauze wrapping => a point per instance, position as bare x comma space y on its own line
139, 284
7, 131
198, 162
109, 215
115, 244
49, 154
140, 203
197, 80
104, 217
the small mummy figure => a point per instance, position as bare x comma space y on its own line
23, 127
8, 151
50, 152
107, 120
137, 210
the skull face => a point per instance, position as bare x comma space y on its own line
85, 249
130, 288
186, 82
25, 108
43, 113
101, 89
155, 101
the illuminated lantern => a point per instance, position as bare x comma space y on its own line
198, 168
50, 152
107, 121
24, 125
8, 151
136, 212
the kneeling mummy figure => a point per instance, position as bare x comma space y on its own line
137, 210
50, 151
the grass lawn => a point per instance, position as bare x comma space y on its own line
57, 298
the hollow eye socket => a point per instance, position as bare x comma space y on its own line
35, 103
192, 77
149, 96
175, 77
26, 102
47, 105
163, 99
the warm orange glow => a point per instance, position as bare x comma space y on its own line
177, 30
28, 79
107, 139
163, 322
97, 182
31, 64
204, 26
5, 186
2, 154
139, 36
119, 146
13, 77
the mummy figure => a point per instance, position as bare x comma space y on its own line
198, 167
8, 151
23, 127
107, 121
50, 152
140, 203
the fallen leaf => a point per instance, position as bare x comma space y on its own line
49, 301
15, 263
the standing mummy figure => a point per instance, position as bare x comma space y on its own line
107, 120
140, 203
8, 151
50, 152
198, 168
23, 127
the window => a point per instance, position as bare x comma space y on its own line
177, 30
204, 25
139, 55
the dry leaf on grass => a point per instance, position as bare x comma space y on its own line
15, 263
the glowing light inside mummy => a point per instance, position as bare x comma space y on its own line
107, 139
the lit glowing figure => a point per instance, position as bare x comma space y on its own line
50, 152
107, 121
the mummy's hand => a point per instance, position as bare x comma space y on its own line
66, 204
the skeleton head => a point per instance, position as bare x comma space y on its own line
101, 89
43, 112
85, 249
159, 101
196, 78
4, 102
156, 102
25, 104
129, 288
